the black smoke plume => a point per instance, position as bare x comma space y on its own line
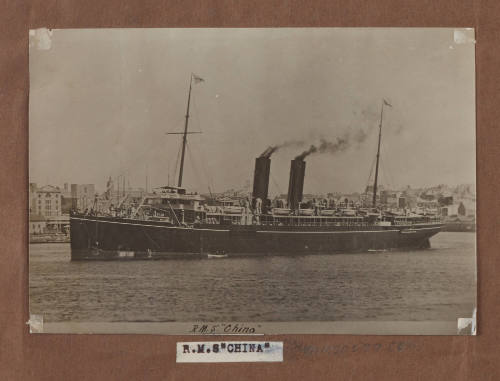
340, 144
272, 149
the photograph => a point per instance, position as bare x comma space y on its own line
257, 181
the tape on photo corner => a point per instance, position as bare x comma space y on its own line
35, 323
464, 36
467, 326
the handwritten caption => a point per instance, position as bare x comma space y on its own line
338, 349
223, 329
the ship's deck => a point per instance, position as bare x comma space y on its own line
299, 223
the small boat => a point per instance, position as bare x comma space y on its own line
409, 231
306, 212
348, 212
126, 254
327, 212
233, 209
216, 256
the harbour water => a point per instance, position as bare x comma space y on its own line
438, 284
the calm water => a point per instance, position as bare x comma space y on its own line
434, 284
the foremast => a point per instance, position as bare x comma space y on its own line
375, 183
196, 79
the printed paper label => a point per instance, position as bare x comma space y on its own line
230, 351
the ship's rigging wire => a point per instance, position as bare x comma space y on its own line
206, 176
178, 123
275, 183
195, 114
368, 181
204, 163
151, 239
387, 171
133, 162
175, 215
177, 162
384, 175
193, 164
207, 171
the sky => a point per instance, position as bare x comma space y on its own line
103, 100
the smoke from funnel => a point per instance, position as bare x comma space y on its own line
272, 149
340, 144
269, 151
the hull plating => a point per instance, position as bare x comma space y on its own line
111, 238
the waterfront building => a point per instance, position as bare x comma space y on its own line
82, 196
46, 210
37, 224
46, 201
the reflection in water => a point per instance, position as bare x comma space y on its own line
435, 284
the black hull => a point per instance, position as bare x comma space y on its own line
112, 238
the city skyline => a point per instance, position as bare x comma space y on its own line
248, 188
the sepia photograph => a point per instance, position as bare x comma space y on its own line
252, 181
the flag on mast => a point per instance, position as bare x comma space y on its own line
197, 79
387, 103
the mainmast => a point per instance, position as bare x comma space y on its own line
184, 137
374, 201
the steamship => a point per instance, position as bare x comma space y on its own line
171, 222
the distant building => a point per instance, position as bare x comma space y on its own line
410, 198
461, 211
449, 210
310, 197
462, 208
82, 196
32, 197
66, 204
470, 207
389, 198
37, 224
45, 210
402, 202
445, 200
369, 189
46, 201
110, 189
66, 199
